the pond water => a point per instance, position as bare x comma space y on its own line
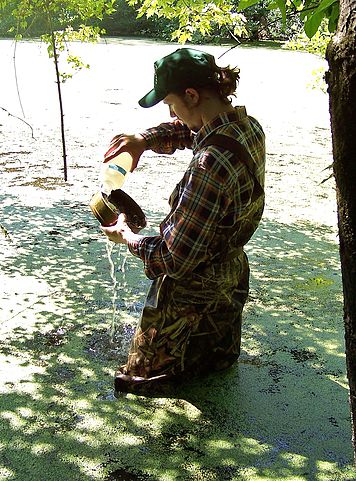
273, 82
271, 415
102, 101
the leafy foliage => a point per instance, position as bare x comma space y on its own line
184, 20
59, 44
30, 17
200, 16
316, 45
57, 22
311, 12
313, 17
123, 21
263, 22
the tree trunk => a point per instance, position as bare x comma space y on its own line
58, 81
341, 78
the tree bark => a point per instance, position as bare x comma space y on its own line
341, 78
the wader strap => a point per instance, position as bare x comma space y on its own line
241, 153
218, 266
232, 254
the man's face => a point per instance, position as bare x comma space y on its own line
184, 107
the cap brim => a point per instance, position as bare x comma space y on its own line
150, 99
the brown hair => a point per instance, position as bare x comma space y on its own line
223, 83
228, 79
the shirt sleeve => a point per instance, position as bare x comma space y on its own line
188, 230
166, 138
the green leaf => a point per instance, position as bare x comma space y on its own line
282, 7
334, 17
272, 6
326, 8
313, 23
324, 4
246, 3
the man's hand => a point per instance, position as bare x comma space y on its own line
120, 233
133, 144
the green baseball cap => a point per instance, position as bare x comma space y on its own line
184, 68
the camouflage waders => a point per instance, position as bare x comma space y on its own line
192, 326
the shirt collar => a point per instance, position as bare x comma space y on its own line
224, 118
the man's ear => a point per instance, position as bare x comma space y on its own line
191, 96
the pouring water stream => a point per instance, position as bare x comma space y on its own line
116, 285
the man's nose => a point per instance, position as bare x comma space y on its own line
172, 112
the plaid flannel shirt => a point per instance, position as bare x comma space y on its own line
214, 191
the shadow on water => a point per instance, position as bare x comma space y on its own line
281, 413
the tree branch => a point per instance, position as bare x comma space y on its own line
16, 80
19, 118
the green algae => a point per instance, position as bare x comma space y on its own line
281, 413
315, 283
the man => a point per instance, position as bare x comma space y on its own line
191, 322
